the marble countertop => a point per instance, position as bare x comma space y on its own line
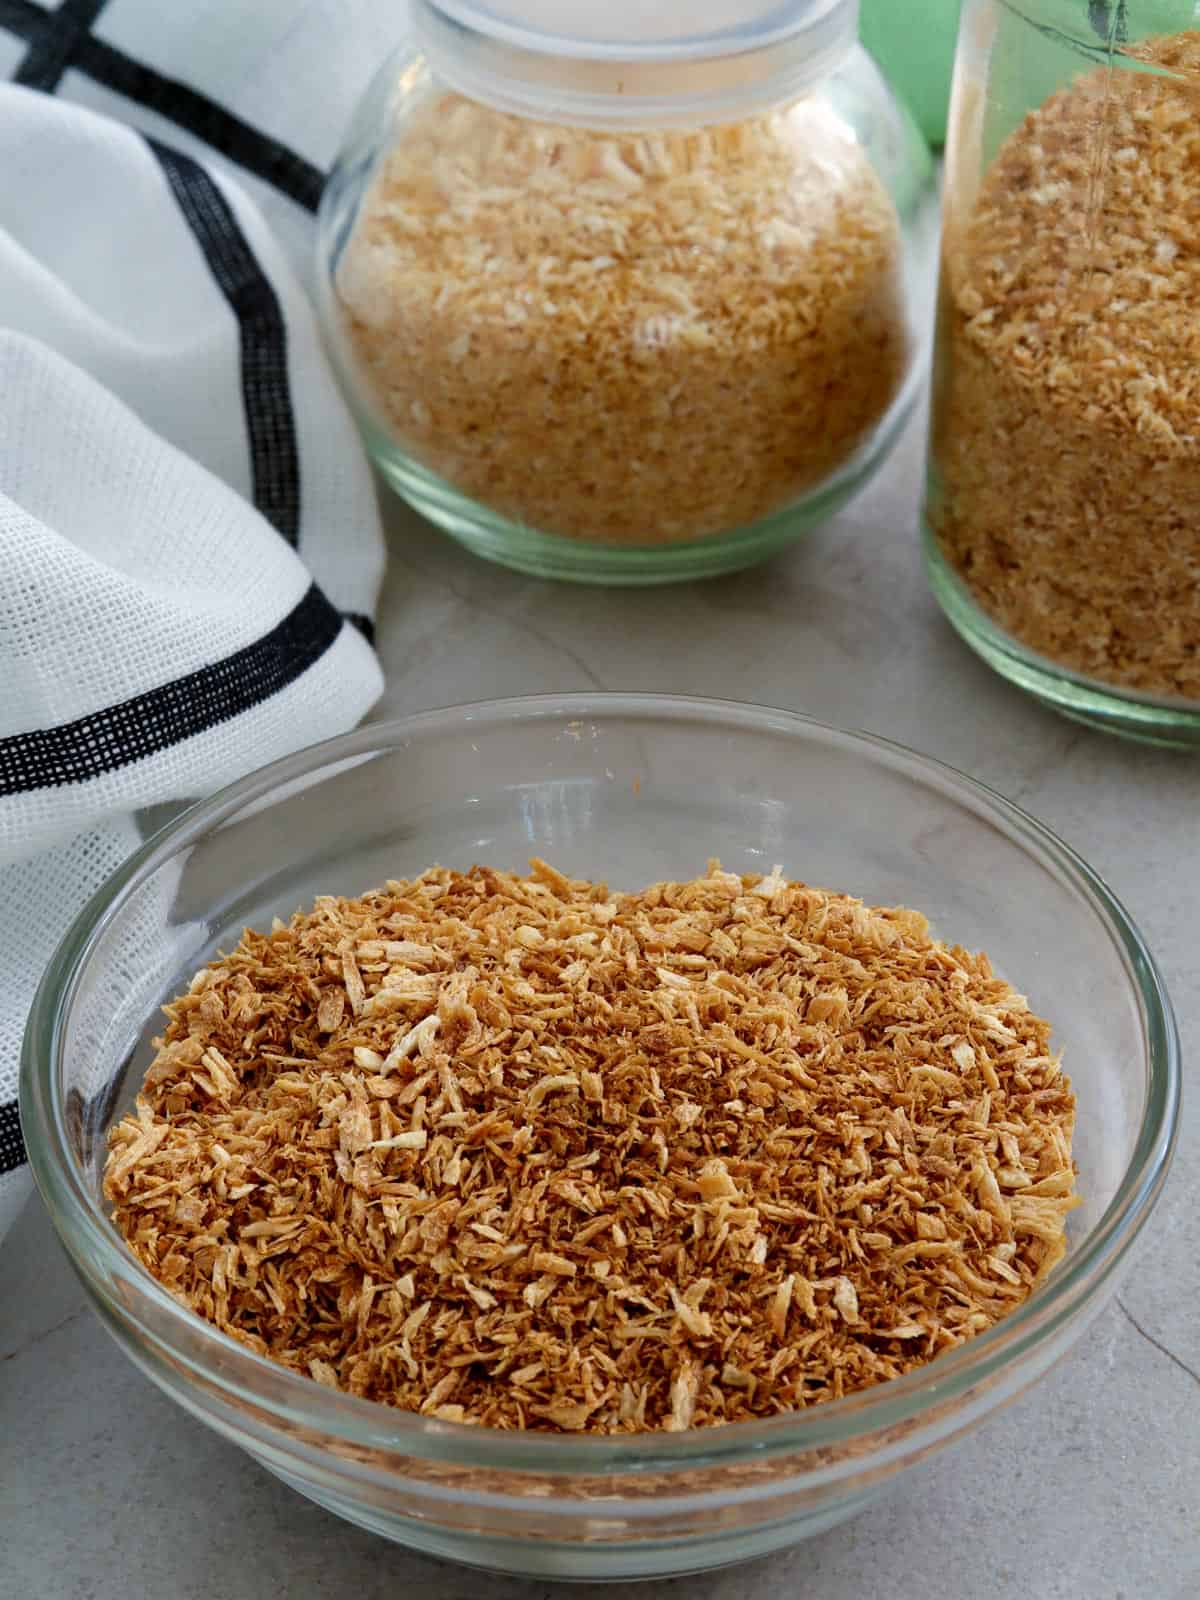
1089, 1487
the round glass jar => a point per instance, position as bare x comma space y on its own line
1061, 530
634, 300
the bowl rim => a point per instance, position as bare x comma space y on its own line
352, 1423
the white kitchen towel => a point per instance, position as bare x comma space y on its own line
189, 549
260, 90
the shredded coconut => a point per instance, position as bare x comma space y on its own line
689, 1156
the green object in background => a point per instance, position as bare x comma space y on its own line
913, 42
1043, 45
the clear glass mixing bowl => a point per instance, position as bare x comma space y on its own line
630, 788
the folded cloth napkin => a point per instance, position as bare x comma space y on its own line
189, 546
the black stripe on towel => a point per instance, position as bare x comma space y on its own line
12, 1151
52, 52
270, 425
255, 152
74, 752
363, 623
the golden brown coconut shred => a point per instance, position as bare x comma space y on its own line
522, 1152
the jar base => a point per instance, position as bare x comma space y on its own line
1173, 725
541, 555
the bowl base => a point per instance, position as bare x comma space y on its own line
583, 1560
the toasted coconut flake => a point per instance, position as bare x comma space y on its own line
695, 1322
330, 1012
683, 1400
415, 1039
410, 1139
845, 1298
780, 1302
715, 1182
548, 1085
549, 1261
963, 1056
355, 991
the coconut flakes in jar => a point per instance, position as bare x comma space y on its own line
626, 337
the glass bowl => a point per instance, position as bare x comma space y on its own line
629, 788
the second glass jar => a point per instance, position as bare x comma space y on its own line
628, 306
1061, 534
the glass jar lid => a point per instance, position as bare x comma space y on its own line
691, 28
625, 63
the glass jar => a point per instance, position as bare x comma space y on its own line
1062, 534
628, 301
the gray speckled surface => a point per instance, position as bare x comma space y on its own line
1089, 1487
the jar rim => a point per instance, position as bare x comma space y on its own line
646, 79
634, 31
